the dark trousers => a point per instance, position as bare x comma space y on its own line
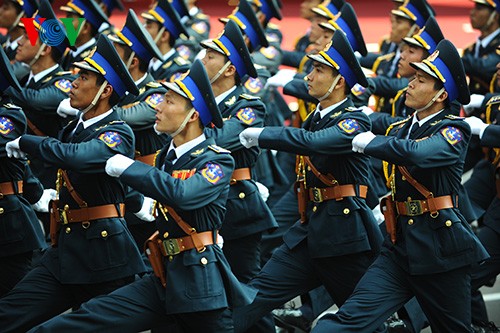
444, 298
290, 273
39, 296
14, 268
484, 273
134, 308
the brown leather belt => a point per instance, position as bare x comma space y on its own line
240, 174
338, 192
8, 188
147, 159
419, 207
91, 213
173, 246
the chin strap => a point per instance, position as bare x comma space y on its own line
334, 83
94, 101
184, 123
158, 36
129, 61
219, 73
38, 54
16, 21
490, 19
431, 101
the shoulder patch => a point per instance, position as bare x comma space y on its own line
184, 51
246, 115
111, 139
64, 85
358, 89
452, 135
453, 117
219, 150
249, 97
269, 52
153, 84
177, 76
199, 27
254, 85
272, 37
180, 61
493, 100
6, 126
212, 173
349, 125
154, 99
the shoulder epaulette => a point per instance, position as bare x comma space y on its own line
86, 53
249, 97
180, 61
352, 109
64, 73
394, 124
167, 64
202, 16
493, 100
453, 117
153, 84
273, 26
11, 106
219, 150
110, 123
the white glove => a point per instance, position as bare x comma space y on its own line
117, 164
366, 110
475, 102
64, 109
362, 140
220, 241
250, 137
43, 204
477, 126
13, 150
147, 210
263, 191
281, 78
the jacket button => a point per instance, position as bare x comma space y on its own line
308, 168
104, 233
315, 208
410, 221
68, 230
1, 210
204, 261
165, 235
241, 195
448, 223
346, 211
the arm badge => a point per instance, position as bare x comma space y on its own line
111, 139
6, 126
212, 173
452, 135
246, 115
349, 125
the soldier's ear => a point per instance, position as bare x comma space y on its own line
107, 92
165, 36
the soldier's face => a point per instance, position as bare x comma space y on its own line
213, 62
171, 112
322, 41
420, 90
479, 16
409, 54
316, 30
320, 79
306, 6
83, 89
25, 51
153, 28
400, 27
8, 14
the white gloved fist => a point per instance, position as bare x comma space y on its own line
263, 191
475, 102
220, 241
147, 210
362, 140
13, 150
250, 137
281, 78
64, 109
42, 204
117, 164
477, 126
366, 110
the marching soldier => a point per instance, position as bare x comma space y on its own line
194, 286
430, 247
332, 185
93, 252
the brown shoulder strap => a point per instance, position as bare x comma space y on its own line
34, 129
72, 190
419, 187
328, 180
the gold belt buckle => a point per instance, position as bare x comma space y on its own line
414, 208
171, 247
317, 195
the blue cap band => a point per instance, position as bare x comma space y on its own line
234, 56
137, 47
171, 27
249, 31
111, 76
198, 102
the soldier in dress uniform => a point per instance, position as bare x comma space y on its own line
88, 31
93, 252
190, 181
164, 25
21, 232
332, 187
430, 247
108, 6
